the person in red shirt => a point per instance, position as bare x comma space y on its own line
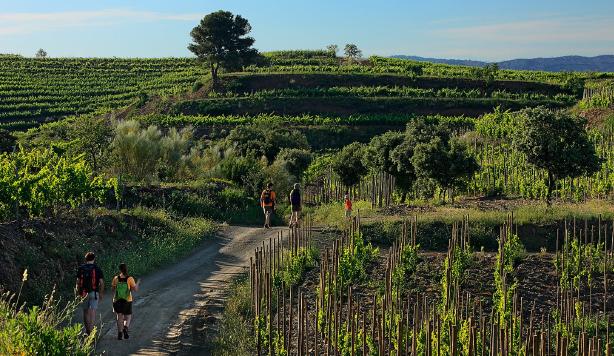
347, 206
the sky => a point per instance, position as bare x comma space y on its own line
491, 30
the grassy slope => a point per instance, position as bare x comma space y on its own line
52, 249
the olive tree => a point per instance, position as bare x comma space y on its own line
446, 162
348, 165
556, 142
429, 154
267, 141
294, 160
379, 158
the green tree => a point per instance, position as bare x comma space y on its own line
267, 141
41, 54
221, 41
348, 165
352, 53
379, 158
445, 161
294, 160
91, 136
428, 155
556, 142
418, 131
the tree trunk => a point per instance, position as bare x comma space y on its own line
214, 77
550, 188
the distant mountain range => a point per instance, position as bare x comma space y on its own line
557, 64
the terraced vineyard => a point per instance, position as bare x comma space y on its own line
36, 90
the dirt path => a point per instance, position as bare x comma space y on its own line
174, 302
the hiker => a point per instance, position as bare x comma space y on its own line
90, 287
347, 205
295, 204
267, 201
123, 285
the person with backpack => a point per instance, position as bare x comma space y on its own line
267, 201
295, 204
90, 287
123, 285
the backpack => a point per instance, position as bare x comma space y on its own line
88, 281
295, 197
266, 197
122, 290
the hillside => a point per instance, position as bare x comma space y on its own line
40, 90
159, 172
603, 63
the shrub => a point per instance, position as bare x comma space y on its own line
348, 164
294, 160
265, 140
41, 330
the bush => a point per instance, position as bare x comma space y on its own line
265, 140
145, 154
41, 330
348, 164
242, 170
294, 160
197, 86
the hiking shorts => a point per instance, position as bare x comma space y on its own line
267, 210
348, 213
122, 306
296, 208
90, 301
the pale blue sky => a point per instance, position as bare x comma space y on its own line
490, 30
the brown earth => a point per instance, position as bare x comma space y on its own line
176, 309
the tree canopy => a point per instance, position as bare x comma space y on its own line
221, 41
267, 141
348, 165
41, 53
352, 52
556, 142
295, 160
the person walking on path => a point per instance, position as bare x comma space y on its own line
347, 206
90, 287
123, 285
295, 204
267, 201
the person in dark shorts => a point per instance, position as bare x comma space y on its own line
90, 287
295, 204
267, 201
123, 285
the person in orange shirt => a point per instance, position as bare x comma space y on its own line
267, 201
347, 206
123, 285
